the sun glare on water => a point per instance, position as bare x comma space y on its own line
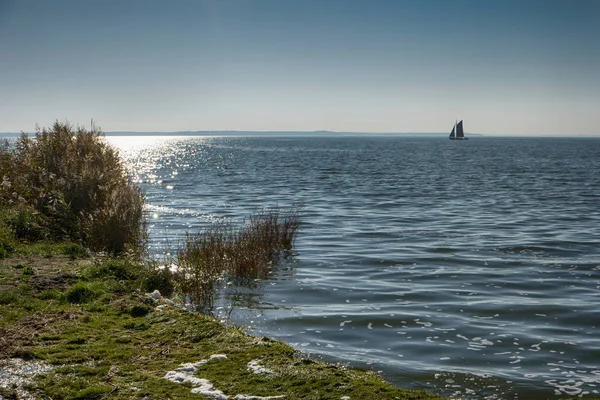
130, 144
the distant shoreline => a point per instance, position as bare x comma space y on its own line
260, 133
317, 134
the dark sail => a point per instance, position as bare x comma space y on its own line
459, 130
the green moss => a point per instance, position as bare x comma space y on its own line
49, 249
28, 271
8, 394
139, 311
94, 392
81, 293
154, 278
51, 294
113, 268
74, 250
7, 298
5, 249
111, 344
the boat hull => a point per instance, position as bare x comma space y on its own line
459, 138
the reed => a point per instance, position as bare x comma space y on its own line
200, 264
226, 250
68, 183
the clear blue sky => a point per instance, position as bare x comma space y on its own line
505, 67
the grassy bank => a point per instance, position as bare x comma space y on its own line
88, 325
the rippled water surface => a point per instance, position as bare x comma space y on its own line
467, 268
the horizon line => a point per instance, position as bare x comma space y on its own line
322, 131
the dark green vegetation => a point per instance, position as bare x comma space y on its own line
69, 184
87, 318
84, 318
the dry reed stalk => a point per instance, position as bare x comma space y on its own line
243, 252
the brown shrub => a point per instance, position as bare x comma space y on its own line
76, 185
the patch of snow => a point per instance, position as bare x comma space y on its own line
201, 386
258, 369
183, 374
169, 302
172, 267
154, 295
191, 367
17, 373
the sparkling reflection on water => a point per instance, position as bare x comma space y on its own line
471, 269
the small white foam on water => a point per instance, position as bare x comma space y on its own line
535, 347
425, 324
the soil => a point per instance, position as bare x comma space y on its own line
56, 281
15, 339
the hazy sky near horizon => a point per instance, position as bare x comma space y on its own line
505, 66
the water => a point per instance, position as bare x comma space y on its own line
467, 268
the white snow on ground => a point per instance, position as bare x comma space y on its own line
154, 295
184, 374
258, 369
191, 367
201, 386
16, 373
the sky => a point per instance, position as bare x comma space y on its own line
503, 66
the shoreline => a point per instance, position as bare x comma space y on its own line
80, 327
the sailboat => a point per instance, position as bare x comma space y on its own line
458, 132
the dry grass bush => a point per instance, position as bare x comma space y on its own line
75, 185
243, 252
200, 264
7, 241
